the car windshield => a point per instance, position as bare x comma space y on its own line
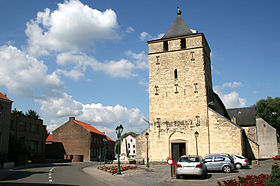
240, 157
189, 159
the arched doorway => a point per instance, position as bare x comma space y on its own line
178, 148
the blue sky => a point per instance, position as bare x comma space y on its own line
89, 59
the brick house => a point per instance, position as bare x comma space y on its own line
5, 113
27, 137
82, 141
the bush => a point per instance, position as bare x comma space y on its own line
249, 180
274, 178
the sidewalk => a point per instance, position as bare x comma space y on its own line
134, 177
160, 175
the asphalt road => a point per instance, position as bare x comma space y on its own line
52, 174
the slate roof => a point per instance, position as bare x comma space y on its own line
178, 28
244, 116
92, 129
2, 96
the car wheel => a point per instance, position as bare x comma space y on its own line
204, 176
226, 169
238, 165
177, 176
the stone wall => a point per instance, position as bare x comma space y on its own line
225, 136
266, 138
251, 132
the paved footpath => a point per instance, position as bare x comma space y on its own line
160, 175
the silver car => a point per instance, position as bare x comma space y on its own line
240, 161
219, 163
191, 165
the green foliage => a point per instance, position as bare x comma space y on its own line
269, 110
32, 114
274, 178
129, 133
17, 112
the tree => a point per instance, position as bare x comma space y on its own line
17, 112
129, 133
269, 110
32, 114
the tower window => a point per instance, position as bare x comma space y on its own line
175, 74
197, 120
183, 43
165, 45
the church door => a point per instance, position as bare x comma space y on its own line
178, 149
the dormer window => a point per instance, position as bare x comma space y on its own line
165, 45
183, 43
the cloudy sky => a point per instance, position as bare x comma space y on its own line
89, 59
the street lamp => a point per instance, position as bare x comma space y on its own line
105, 148
119, 130
147, 137
196, 134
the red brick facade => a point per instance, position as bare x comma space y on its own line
82, 141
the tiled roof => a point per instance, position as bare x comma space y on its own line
49, 138
2, 96
244, 116
92, 129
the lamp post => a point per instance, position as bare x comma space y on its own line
147, 137
196, 134
105, 149
119, 130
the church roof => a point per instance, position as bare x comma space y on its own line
178, 27
244, 116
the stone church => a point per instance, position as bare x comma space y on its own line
186, 116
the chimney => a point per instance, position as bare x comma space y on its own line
71, 118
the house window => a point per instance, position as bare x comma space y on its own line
21, 126
33, 128
175, 74
1, 118
128, 151
129, 145
130, 140
12, 125
133, 151
133, 146
165, 45
183, 43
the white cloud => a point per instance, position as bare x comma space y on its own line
122, 68
129, 29
52, 127
21, 73
71, 27
73, 74
232, 100
145, 36
58, 106
235, 84
102, 117
142, 61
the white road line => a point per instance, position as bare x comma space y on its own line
50, 174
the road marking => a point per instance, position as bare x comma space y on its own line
50, 174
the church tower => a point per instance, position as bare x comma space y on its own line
186, 116
180, 89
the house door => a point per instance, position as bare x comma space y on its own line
178, 149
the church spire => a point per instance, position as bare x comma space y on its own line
178, 27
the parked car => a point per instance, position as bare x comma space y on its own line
219, 162
240, 161
191, 165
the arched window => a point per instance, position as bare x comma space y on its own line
175, 74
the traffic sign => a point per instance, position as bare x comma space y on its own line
170, 161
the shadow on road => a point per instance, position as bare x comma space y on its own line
193, 177
32, 184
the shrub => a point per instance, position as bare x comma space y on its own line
248, 180
274, 178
